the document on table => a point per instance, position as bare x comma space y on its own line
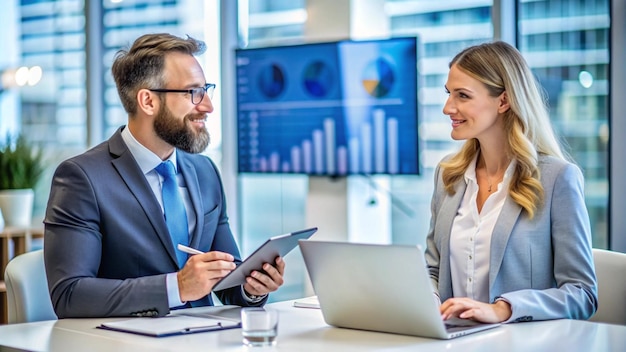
170, 325
307, 302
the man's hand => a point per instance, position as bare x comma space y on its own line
259, 283
201, 272
467, 308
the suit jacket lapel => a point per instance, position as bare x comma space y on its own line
135, 180
193, 187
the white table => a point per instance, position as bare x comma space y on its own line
303, 329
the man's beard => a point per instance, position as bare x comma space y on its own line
179, 133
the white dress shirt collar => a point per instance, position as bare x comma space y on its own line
145, 158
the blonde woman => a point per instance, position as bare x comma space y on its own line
509, 238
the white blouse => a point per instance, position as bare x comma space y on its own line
470, 239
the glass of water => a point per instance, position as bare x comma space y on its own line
259, 326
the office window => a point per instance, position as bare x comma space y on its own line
53, 112
566, 44
53, 35
271, 21
124, 21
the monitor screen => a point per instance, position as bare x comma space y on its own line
339, 108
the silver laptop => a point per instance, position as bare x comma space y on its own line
382, 288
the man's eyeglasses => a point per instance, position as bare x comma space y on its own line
197, 94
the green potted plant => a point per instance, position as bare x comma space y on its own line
21, 167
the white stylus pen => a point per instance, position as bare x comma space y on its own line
188, 249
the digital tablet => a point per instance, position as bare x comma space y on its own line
266, 253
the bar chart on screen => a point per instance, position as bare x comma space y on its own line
372, 149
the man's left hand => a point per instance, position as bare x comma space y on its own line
261, 283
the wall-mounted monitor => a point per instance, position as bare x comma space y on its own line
336, 109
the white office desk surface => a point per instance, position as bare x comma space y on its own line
303, 329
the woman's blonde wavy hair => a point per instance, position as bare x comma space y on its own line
501, 67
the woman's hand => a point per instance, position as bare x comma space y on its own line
466, 308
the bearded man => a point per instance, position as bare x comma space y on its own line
117, 212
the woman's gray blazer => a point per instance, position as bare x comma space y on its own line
543, 267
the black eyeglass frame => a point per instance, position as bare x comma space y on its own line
193, 91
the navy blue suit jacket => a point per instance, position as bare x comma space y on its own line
107, 249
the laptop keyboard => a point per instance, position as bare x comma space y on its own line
459, 323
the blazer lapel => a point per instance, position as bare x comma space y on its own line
135, 180
447, 213
500, 236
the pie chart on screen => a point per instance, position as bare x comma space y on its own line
271, 81
317, 79
378, 78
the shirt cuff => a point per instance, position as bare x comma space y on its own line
251, 298
173, 294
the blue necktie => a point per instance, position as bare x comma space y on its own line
175, 215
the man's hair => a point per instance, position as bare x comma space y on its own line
141, 65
